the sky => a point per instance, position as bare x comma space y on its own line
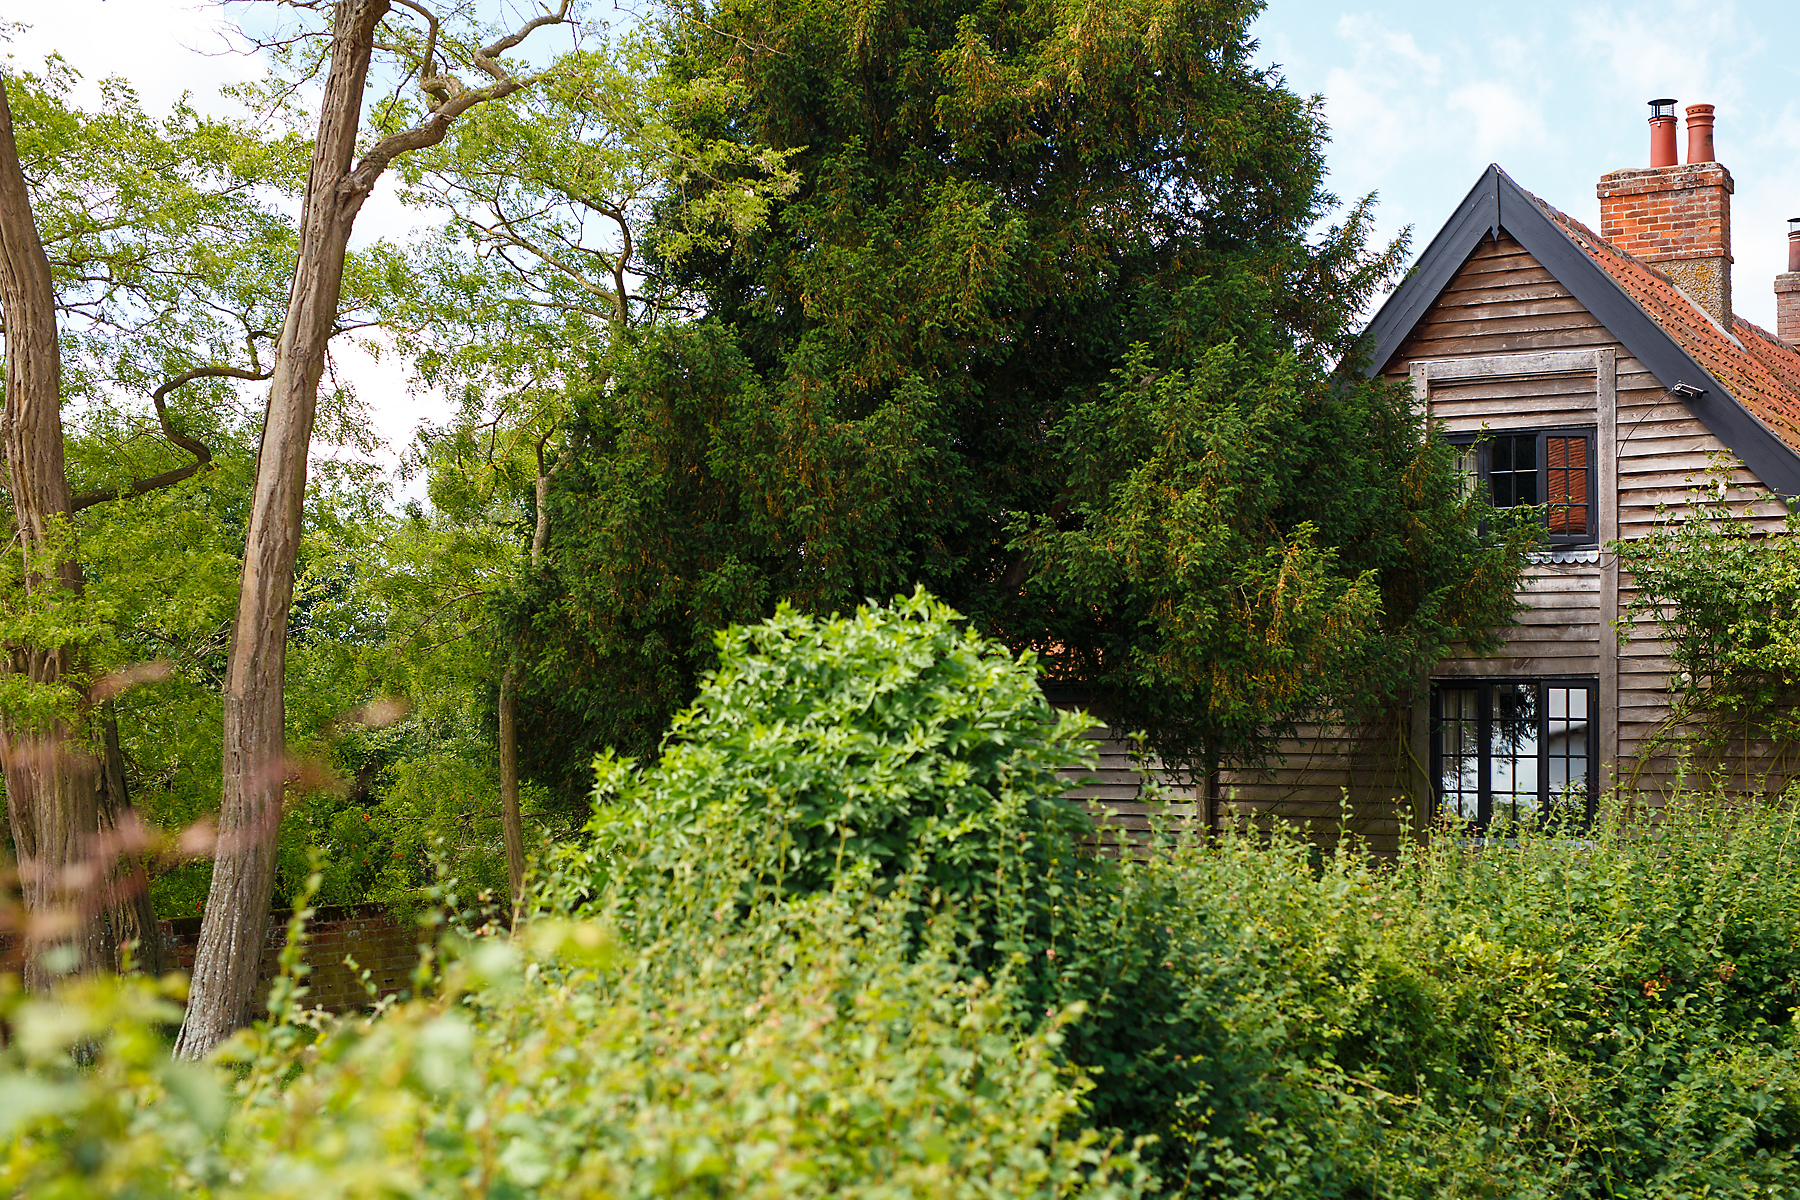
1420, 96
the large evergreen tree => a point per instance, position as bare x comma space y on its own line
1050, 326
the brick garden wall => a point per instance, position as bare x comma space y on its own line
385, 946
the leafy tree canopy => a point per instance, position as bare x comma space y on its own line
1049, 326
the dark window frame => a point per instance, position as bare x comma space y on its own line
1484, 685
1484, 445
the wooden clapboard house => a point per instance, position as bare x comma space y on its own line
1603, 371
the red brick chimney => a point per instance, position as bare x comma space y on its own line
1676, 216
1787, 290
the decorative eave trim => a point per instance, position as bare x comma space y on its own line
1496, 203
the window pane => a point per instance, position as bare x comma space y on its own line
1567, 478
1513, 751
1525, 486
1566, 750
1513, 469
1459, 737
1468, 471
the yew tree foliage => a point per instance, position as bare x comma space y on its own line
1049, 326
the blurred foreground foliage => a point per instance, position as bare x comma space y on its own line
842, 938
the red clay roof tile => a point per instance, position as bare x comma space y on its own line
1763, 373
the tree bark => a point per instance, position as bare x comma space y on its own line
221, 993
235, 924
133, 920
510, 822
51, 792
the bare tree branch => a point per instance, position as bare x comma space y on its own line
453, 99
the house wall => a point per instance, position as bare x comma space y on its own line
1329, 782
1507, 347
1129, 794
1503, 303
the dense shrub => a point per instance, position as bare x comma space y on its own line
1553, 1012
840, 939
893, 747
801, 1061
1537, 1016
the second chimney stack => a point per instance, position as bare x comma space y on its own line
1787, 290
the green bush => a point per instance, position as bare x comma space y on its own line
557, 1065
840, 939
848, 753
1538, 1016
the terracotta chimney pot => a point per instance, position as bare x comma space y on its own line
1676, 217
1794, 243
1700, 133
1662, 133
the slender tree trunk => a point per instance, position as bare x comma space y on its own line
51, 792
133, 920
229, 955
510, 821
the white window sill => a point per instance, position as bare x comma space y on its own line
1564, 556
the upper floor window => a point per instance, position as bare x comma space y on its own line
1550, 467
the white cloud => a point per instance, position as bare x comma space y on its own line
164, 47
1499, 118
1695, 51
1368, 99
1376, 45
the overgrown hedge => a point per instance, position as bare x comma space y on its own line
839, 939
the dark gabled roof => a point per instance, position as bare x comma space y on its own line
1622, 294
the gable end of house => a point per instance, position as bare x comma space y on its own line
1497, 206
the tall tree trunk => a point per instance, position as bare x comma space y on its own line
229, 955
510, 821
51, 793
237, 912
133, 920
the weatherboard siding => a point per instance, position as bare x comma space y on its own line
1129, 795
1503, 302
1327, 782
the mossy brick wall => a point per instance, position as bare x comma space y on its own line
381, 943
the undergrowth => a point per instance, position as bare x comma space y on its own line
843, 938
